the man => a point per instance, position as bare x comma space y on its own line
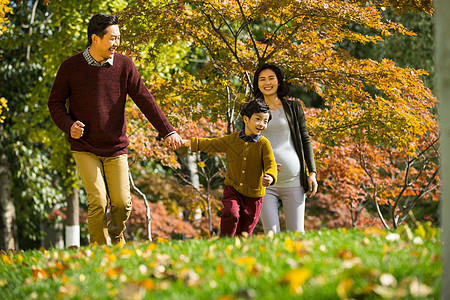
97, 82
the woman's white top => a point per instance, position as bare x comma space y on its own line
279, 135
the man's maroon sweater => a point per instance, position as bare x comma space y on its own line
97, 98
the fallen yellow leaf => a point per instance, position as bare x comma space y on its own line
374, 231
296, 279
344, 287
6, 259
220, 270
148, 284
152, 247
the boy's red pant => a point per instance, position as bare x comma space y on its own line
239, 213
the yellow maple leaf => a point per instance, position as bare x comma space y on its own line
296, 279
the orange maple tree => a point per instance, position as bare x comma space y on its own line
375, 113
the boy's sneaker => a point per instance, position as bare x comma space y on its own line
118, 240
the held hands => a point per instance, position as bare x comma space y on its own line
77, 130
174, 141
267, 180
312, 184
187, 143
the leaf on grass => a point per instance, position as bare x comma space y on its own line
126, 253
344, 287
152, 247
345, 254
148, 284
161, 240
417, 240
226, 297
296, 279
271, 234
248, 260
250, 264
111, 257
38, 273
3, 282
6, 259
19, 258
190, 277
113, 273
220, 270
143, 269
374, 231
292, 246
392, 236
387, 279
132, 291
67, 291
418, 289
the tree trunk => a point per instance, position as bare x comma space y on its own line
191, 164
8, 231
442, 63
73, 220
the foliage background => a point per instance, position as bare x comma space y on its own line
363, 81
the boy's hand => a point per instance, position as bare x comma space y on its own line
267, 180
187, 143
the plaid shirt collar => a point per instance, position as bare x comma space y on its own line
92, 62
249, 138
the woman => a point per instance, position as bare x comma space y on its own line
293, 152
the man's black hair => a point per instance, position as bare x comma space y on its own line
255, 106
98, 25
283, 88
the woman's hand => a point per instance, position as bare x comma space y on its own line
312, 184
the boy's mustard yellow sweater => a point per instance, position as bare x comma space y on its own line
247, 162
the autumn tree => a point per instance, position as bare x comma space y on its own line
7, 212
41, 170
369, 105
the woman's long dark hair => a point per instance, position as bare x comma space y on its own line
283, 89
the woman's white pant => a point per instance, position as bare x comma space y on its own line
294, 208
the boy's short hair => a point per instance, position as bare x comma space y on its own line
255, 106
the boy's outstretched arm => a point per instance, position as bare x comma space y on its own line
187, 143
267, 180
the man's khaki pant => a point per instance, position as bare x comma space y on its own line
105, 177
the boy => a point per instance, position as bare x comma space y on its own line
250, 168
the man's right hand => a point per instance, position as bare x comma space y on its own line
77, 130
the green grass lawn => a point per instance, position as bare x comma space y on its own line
327, 264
